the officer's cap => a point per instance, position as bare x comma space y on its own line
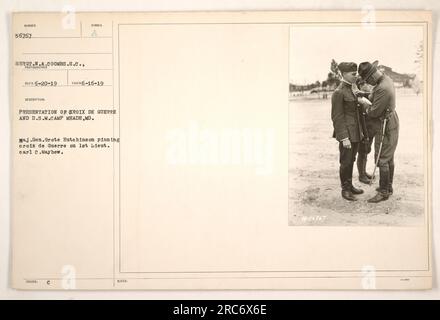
347, 67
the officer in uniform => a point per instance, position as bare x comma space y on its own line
383, 99
347, 129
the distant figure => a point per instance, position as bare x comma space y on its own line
347, 130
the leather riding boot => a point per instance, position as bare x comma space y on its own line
369, 176
348, 195
390, 186
345, 176
342, 175
384, 181
356, 190
361, 165
350, 174
352, 188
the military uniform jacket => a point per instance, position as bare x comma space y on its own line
383, 98
345, 114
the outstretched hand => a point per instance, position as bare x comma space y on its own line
364, 101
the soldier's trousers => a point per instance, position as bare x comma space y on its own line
347, 158
386, 159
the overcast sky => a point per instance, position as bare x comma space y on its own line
313, 47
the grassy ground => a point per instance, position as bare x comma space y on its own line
314, 191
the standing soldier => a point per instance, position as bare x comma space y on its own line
347, 130
386, 122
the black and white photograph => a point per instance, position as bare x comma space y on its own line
357, 125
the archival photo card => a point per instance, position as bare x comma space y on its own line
221, 150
